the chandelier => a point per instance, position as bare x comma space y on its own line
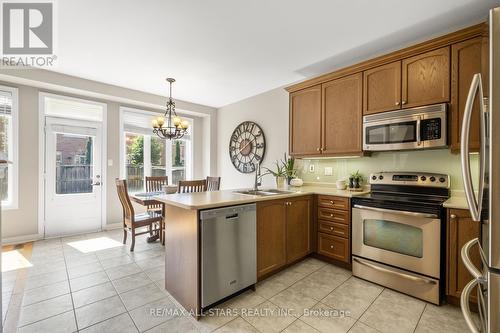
170, 126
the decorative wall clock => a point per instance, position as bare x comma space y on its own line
247, 146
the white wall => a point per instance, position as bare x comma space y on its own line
270, 111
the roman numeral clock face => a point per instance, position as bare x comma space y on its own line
247, 146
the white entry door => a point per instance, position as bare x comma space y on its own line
73, 190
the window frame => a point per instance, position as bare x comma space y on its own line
147, 146
13, 180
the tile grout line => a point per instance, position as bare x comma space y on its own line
69, 287
420, 317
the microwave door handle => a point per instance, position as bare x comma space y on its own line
419, 124
464, 149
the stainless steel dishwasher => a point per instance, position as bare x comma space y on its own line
228, 251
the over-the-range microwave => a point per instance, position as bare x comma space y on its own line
415, 128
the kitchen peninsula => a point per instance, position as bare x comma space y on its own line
295, 231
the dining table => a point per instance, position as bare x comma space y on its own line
148, 199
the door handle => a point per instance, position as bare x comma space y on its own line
97, 183
398, 212
464, 253
473, 202
419, 138
403, 275
464, 305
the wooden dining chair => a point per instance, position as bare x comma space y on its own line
155, 184
213, 183
189, 186
132, 221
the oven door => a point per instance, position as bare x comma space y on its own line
392, 134
407, 240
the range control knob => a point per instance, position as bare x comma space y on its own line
381, 177
442, 179
374, 177
432, 179
423, 178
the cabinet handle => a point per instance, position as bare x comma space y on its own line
331, 201
397, 103
453, 216
331, 228
331, 246
318, 149
331, 215
404, 102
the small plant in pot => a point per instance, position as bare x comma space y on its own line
289, 164
279, 173
355, 180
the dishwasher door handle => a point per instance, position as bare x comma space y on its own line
232, 217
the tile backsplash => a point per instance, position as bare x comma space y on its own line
438, 161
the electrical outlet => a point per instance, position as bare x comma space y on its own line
311, 168
328, 171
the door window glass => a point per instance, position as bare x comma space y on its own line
393, 236
134, 161
74, 163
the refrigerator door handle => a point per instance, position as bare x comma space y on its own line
473, 202
464, 305
464, 253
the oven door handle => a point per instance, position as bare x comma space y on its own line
385, 270
419, 137
382, 210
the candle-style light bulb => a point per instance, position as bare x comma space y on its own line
155, 123
160, 121
177, 121
184, 124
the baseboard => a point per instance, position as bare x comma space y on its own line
113, 226
21, 239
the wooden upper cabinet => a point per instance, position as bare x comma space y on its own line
305, 122
426, 78
342, 116
382, 88
298, 228
467, 58
460, 229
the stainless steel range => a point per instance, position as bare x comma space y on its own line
397, 232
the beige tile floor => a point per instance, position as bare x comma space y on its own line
92, 283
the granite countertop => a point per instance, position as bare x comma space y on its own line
457, 200
213, 199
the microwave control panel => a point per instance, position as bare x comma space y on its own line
430, 129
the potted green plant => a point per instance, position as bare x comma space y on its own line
355, 180
290, 171
279, 173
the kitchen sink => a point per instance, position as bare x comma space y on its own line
263, 193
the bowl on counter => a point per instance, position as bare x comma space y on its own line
341, 185
169, 189
296, 182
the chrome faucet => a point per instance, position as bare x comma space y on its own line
257, 182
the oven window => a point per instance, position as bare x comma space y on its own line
393, 236
392, 133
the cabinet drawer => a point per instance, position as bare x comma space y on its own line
333, 202
333, 215
332, 228
334, 247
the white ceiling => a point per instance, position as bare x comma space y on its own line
222, 51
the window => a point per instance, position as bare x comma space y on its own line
145, 154
8, 147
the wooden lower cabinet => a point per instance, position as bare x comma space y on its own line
298, 228
271, 236
334, 247
283, 232
460, 229
334, 221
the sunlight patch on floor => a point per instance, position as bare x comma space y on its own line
94, 244
12, 260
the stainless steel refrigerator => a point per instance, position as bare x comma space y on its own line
484, 204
